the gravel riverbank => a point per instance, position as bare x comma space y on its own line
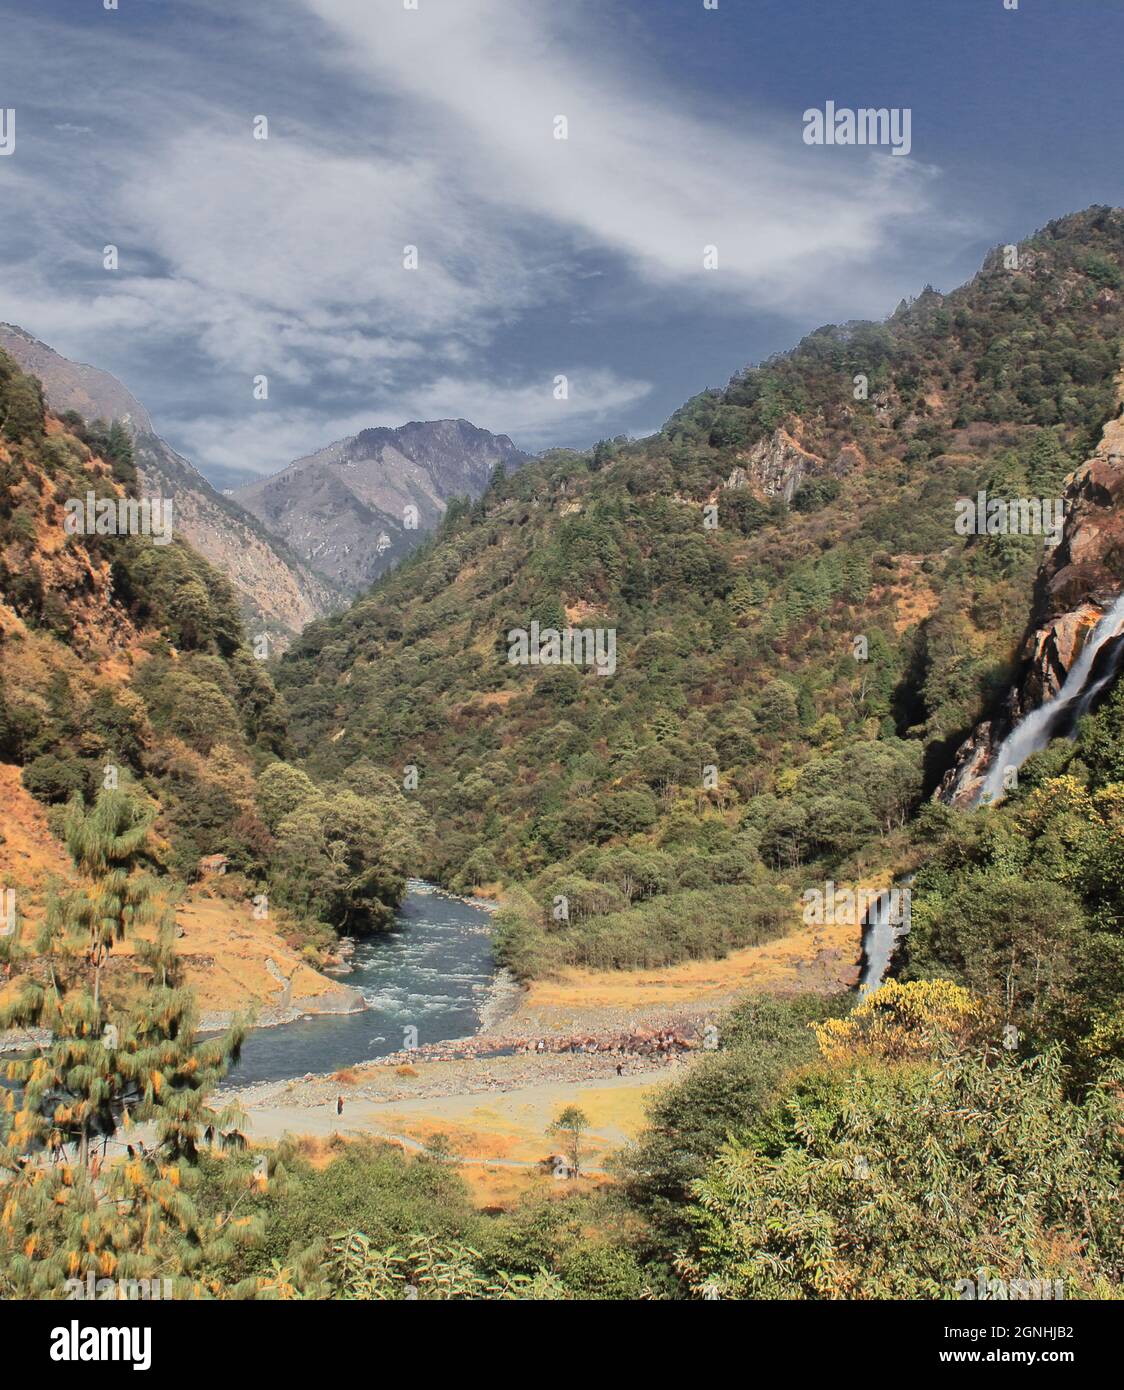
446, 1077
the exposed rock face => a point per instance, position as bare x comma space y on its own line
849, 457
277, 591
1083, 572
1051, 650
961, 784
80, 581
775, 467
1089, 560
1078, 580
345, 509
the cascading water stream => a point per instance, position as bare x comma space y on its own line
1083, 683
886, 922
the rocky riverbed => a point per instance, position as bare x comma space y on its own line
386, 1080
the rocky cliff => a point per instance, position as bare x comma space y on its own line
277, 592
775, 466
1078, 580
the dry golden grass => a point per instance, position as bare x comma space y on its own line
491, 1189
501, 1189
225, 949
228, 953
30, 858
318, 1152
29, 854
515, 1125
617, 1109
773, 966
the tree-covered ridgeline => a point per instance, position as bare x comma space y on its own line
791, 682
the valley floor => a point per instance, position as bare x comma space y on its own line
809, 960
495, 1111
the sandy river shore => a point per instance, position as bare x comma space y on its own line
496, 1108
491, 1111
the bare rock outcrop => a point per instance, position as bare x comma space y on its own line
776, 466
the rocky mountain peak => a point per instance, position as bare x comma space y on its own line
356, 506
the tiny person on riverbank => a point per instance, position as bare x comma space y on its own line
339, 1105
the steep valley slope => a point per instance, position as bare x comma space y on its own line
124, 665
803, 635
278, 593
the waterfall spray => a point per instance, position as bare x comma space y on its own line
1083, 683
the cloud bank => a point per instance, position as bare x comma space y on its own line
389, 129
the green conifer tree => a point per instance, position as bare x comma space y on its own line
117, 1071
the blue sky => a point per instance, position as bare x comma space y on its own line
537, 257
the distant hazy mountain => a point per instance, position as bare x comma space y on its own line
344, 509
276, 590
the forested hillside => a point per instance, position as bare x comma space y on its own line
787, 688
123, 662
802, 635
276, 593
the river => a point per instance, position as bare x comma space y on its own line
432, 971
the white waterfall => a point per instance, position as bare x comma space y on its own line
887, 920
878, 945
1074, 699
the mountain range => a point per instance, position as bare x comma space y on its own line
793, 610
353, 509
294, 544
805, 648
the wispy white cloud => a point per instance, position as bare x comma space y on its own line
640, 173
302, 251
392, 127
279, 255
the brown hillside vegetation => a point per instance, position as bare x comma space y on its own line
234, 962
